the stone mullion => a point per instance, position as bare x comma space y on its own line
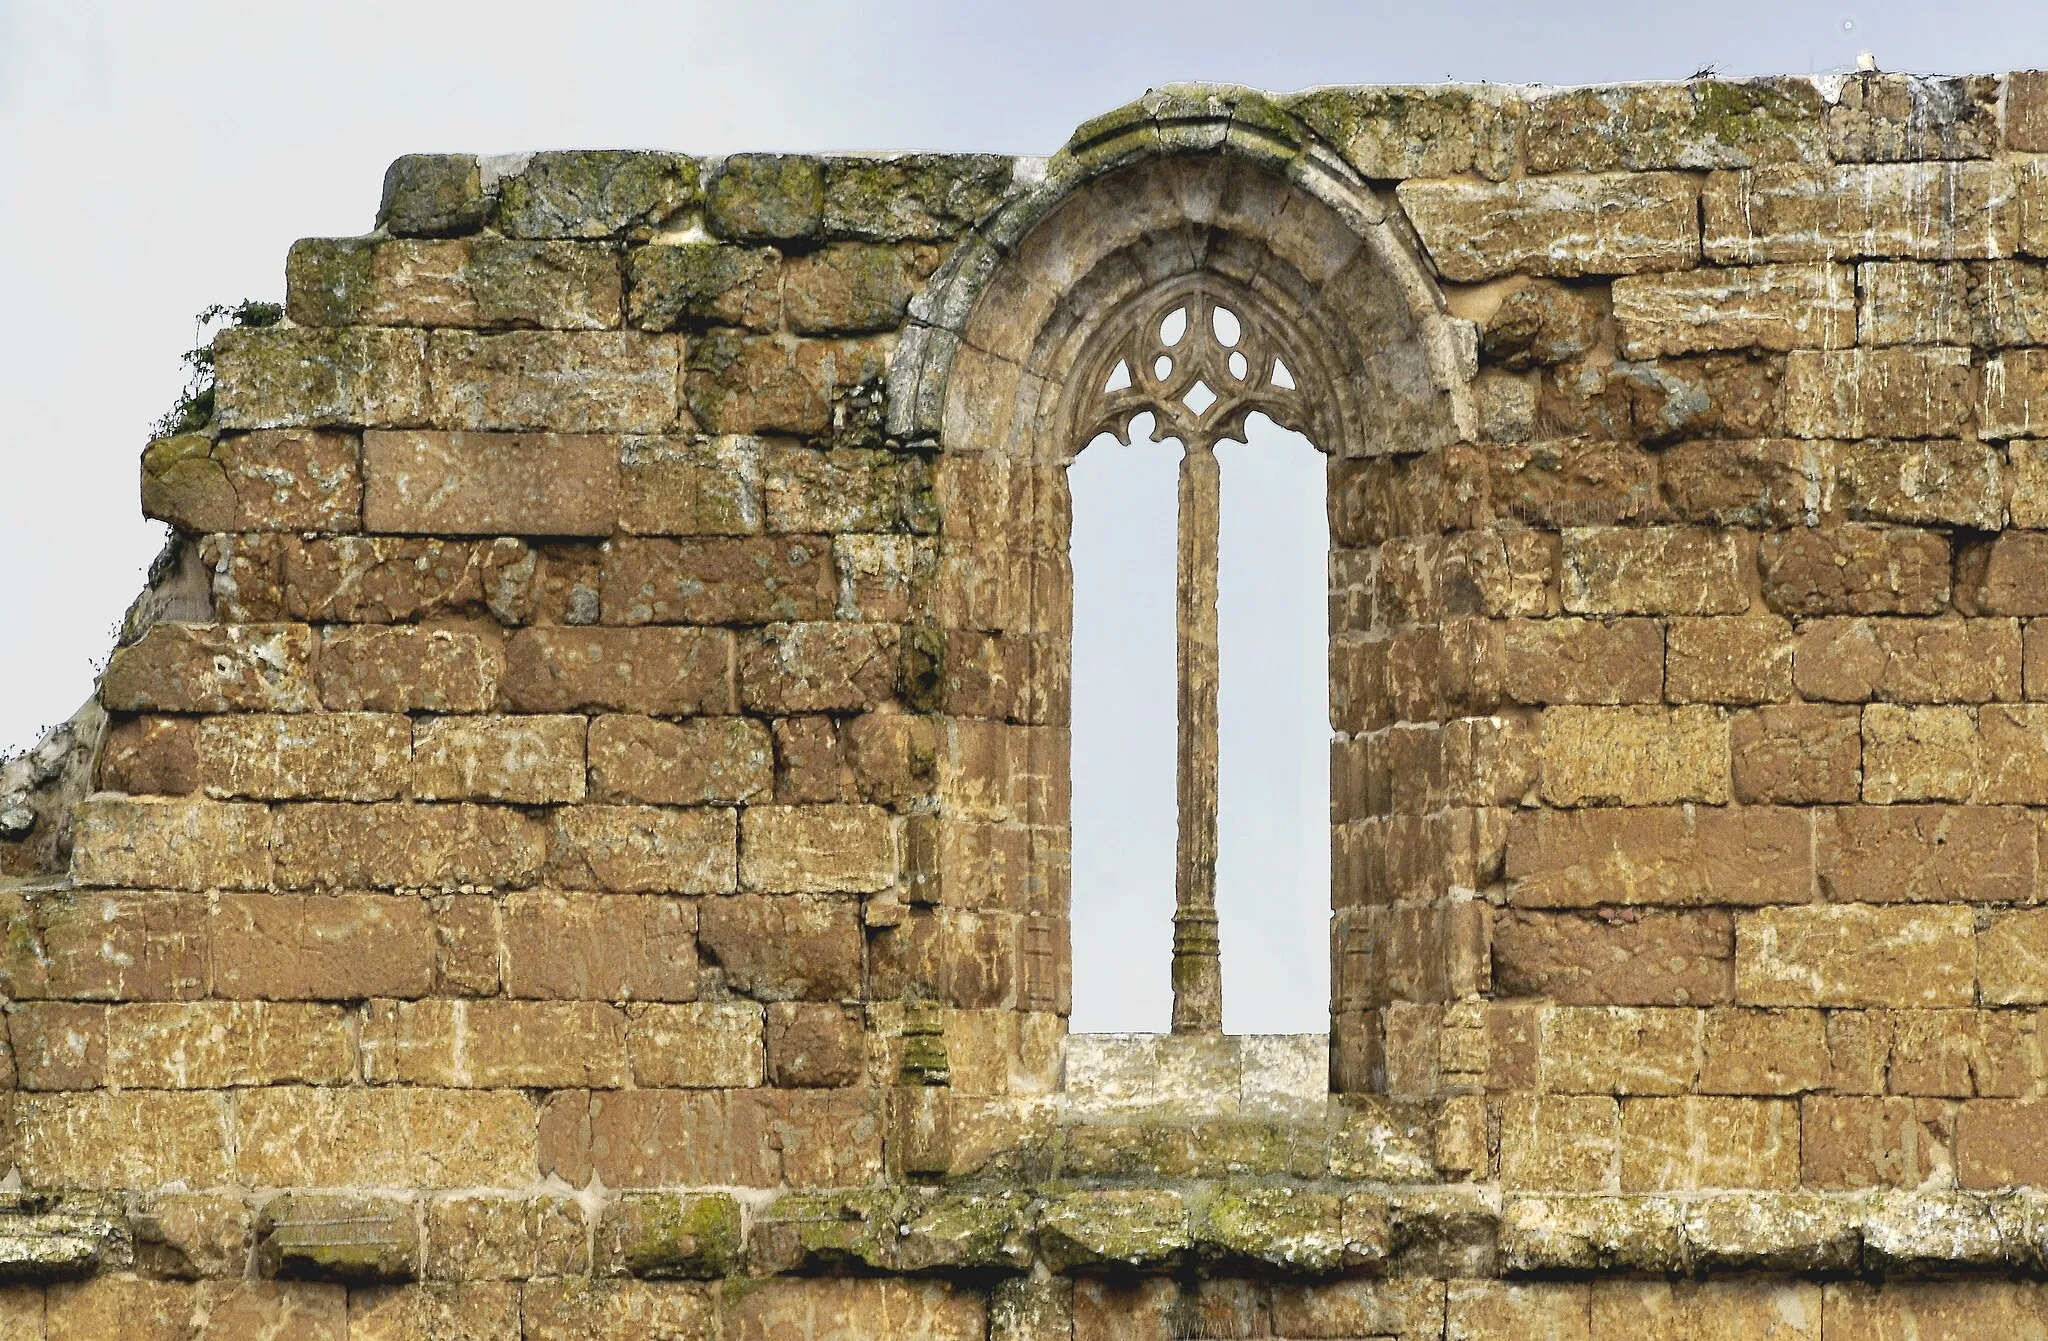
1197, 962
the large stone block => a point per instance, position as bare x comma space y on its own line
342, 756
332, 1136
1913, 211
1908, 660
1746, 1051
107, 1140
704, 283
1651, 959
1635, 756
644, 849
1905, 392
387, 580
1728, 661
106, 947
299, 377
2012, 958
786, 947
1777, 307
333, 947
851, 489
491, 483
1700, 123
1856, 1142
1919, 754
1894, 118
678, 672
1935, 483
596, 193
1679, 856
548, 381
495, 1044
1928, 854
1618, 1050
213, 668
696, 1045
1617, 224
600, 947
403, 846
690, 486
205, 1045
433, 195
275, 480
484, 1238
171, 844
1855, 569
533, 760
1655, 570
700, 761
479, 282
2015, 397
1856, 955
718, 581
852, 288
1796, 754
766, 197
912, 197
408, 669
817, 849
818, 667
1580, 661
1914, 303
1686, 1144
151, 756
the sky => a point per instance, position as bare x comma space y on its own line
159, 158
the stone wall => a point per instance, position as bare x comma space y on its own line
579, 846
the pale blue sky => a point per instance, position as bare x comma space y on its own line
158, 158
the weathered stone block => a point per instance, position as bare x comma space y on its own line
1728, 660
171, 844
1908, 660
777, 947
1748, 1051
351, 1240
1539, 324
401, 846
813, 1045
643, 849
306, 756
912, 197
1928, 854
275, 480
1777, 307
548, 381
1684, 1144
1765, 484
702, 761
1796, 754
151, 756
334, 1136
696, 1045
817, 849
1852, 1142
1861, 393
1892, 118
1647, 959
1914, 303
1586, 859
1624, 570
1938, 483
678, 486
766, 197
818, 667
1919, 754
2015, 396
1701, 123
806, 490
432, 195
1913, 211
1855, 569
297, 377
718, 581
704, 283
223, 1044
213, 668
481, 282
408, 669
1494, 1310
600, 947
484, 1238
2012, 958
524, 760
1615, 225
495, 1044
1635, 756
1581, 661
106, 1140
852, 288
106, 947
1618, 1050
386, 580
1856, 955
491, 483
336, 947
677, 672
600, 193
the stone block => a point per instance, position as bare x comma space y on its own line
1857, 1142
462, 1311
433, 195
1904, 392
812, 1045
1856, 955
408, 668
600, 947
742, 384
348, 1239
766, 198
1729, 661
163, 843
1919, 754
103, 1140
682, 486
698, 761
213, 668
480, 282
335, 1136
718, 581
1678, 856
672, 286
818, 667
485, 1238
1998, 1143
1934, 1311
696, 1045
1700, 123
1913, 303
1908, 660
666, 1235
1660, 570
2012, 576
852, 288
300, 377
387, 580
1618, 1050
1538, 324
275, 480
644, 849
672, 672
1540, 226
1484, 1310
1769, 483
150, 756
333, 947
1909, 211
596, 193
1695, 1142
58, 1045
225, 1044
1746, 1051
2012, 958
817, 849
2015, 396
1897, 118
524, 760
912, 197
1777, 307
1855, 569
1626, 959
780, 947
553, 381
495, 1044
491, 483
1928, 854
1796, 754
2012, 753
401, 846
306, 756
1580, 661
807, 490
1573, 482
1635, 756
2008, 304
1426, 130
1937, 483
105, 947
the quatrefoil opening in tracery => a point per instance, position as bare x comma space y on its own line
1199, 368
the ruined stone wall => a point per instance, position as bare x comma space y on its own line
580, 830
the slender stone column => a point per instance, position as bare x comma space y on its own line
1197, 960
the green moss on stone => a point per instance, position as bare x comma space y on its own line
912, 197
433, 195
767, 198
678, 1237
597, 193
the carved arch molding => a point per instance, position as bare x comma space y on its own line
1093, 300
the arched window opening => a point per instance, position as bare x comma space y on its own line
1200, 701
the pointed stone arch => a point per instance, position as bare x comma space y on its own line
1190, 190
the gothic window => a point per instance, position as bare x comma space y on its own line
1196, 359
